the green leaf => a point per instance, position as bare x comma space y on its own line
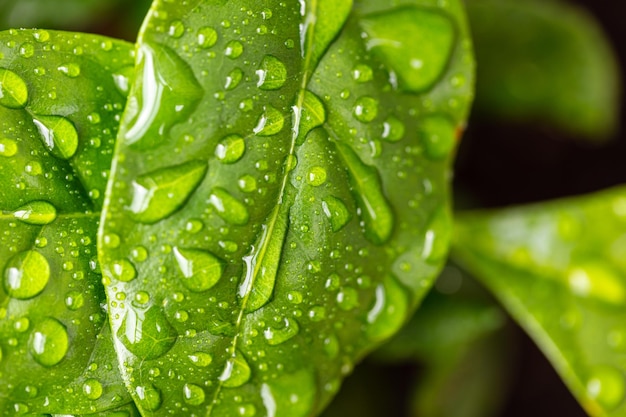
547, 62
59, 111
280, 191
559, 269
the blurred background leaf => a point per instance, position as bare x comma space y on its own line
545, 62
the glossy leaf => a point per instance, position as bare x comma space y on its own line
59, 110
559, 269
547, 62
266, 247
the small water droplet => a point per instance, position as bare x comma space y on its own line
230, 149
72, 70
8, 147
336, 211
92, 388
276, 336
228, 207
26, 275
247, 183
348, 298
49, 342
139, 253
193, 394
438, 135
393, 129
149, 397
27, 50
365, 109
331, 346
123, 270
316, 176
362, 73
272, 73
201, 270
389, 311
176, 29
36, 212
41, 35
270, 123
111, 240
606, 385
58, 135
236, 372
207, 37
201, 359
233, 79
159, 194
74, 300
234, 49
147, 334
13, 90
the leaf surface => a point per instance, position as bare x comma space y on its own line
546, 62
281, 186
59, 111
559, 269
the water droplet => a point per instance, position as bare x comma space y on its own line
41, 35
365, 109
438, 134
147, 334
337, 212
276, 336
234, 49
362, 73
313, 115
233, 79
236, 372
36, 212
201, 270
606, 385
26, 275
193, 394
228, 207
27, 50
230, 149
21, 325
348, 298
124, 270
139, 253
393, 129
272, 73
161, 193
13, 90
374, 209
72, 70
8, 147
149, 397
316, 176
270, 123
331, 346
111, 240
389, 311
74, 300
597, 280
176, 29
92, 388
201, 359
247, 183
49, 342
392, 36
207, 37
58, 135
292, 395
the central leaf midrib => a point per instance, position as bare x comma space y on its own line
307, 71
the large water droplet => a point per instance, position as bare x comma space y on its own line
228, 207
147, 334
365, 109
272, 73
276, 336
362, 73
236, 372
336, 211
313, 115
230, 149
606, 385
149, 397
58, 135
49, 342
26, 275
316, 176
290, 395
233, 79
389, 311
348, 298
438, 134
270, 123
234, 49
366, 185
207, 37
123, 270
74, 300
13, 90
92, 388
201, 359
392, 36
160, 193
201, 270
393, 129
193, 394
8, 147
36, 212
